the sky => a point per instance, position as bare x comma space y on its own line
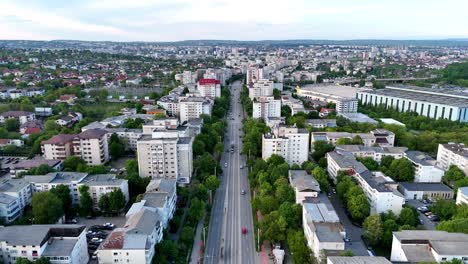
173, 20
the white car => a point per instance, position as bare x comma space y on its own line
96, 239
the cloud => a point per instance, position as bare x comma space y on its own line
167, 20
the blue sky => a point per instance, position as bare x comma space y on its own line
170, 20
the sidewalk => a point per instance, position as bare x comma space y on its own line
198, 243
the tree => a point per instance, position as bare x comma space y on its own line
459, 225
320, 149
51, 126
116, 200
401, 170
86, 202
63, 193
284, 193
273, 227
40, 170
195, 211
46, 208
116, 147
168, 251
344, 141
212, 182
267, 203
321, 176
408, 217
453, 174
358, 207
104, 203
386, 161
292, 212
445, 209
389, 226
301, 253
186, 235
347, 253
357, 140
370, 163
373, 229
72, 163
12, 124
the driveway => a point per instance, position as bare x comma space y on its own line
428, 225
356, 245
118, 221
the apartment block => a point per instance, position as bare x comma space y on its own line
99, 184
169, 158
266, 107
422, 190
381, 191
59, 244
380, 137
291, 143
433, 103
453, 154
425, 167
209, 88
91, 145
462, 195
304, 185
322, 227
135, 242
416, 246
15, 194
260, 89
194, 107
376, 153
348, 105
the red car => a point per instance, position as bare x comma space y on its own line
244, 230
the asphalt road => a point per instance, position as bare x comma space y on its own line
231, 211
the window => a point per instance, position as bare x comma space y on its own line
115, 253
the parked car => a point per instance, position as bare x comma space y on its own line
433, 218
428, 213
347, 239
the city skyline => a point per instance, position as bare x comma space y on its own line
156, 20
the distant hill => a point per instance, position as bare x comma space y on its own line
293, 42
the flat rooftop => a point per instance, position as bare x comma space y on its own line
430, 95
332, 90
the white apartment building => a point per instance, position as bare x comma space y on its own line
21, 116
260, 88
453, 154
381, 137
376, 153
348, 105
58, 147
434, 103
91, 145
381, 191
193, 107
266, 107
209, 88
160, 195
425, 167
188, 77
169, 158
254, 74
15, 194
322, 228
60, 244
99, 184
135, 242
129, 136
462, 195
291, 143
415, 246
304, 185
169, 123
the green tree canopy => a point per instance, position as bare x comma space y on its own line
373, 229
46, 208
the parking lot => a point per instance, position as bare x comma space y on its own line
428, 224
97, 231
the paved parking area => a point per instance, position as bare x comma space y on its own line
428, 225
118, 221
356, 245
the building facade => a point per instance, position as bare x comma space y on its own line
291, 143
432, 103
266, 107
453, 154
